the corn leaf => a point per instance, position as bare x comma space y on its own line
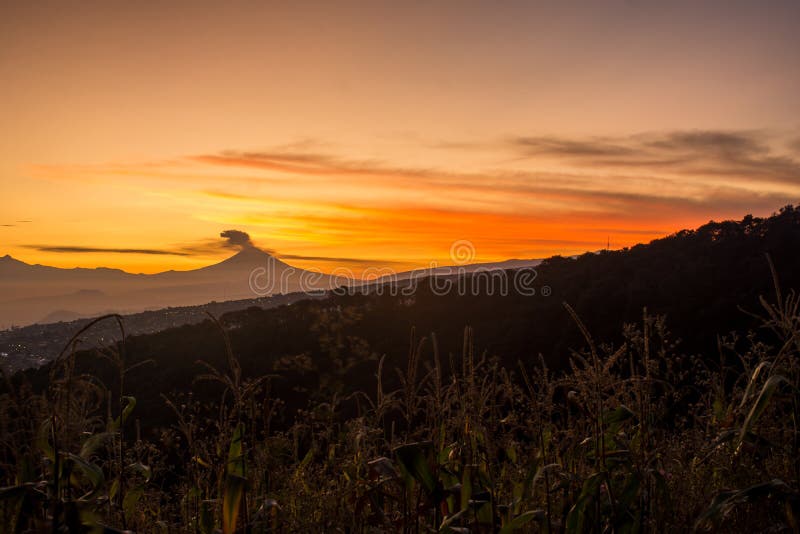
234, 482
767, 391
521, 520
414, 459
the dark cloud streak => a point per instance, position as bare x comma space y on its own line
231, 239
104, 250
744, 155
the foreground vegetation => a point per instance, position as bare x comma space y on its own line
308, 418
631, 438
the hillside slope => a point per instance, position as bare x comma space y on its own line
698, 279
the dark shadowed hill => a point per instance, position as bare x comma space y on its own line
699, 279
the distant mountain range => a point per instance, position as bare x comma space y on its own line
42, 294
38, 293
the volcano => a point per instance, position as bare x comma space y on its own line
29, 293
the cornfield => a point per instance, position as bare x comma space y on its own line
631, 438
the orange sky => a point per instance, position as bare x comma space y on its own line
356, 134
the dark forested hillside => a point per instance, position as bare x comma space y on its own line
701, 280
387, 409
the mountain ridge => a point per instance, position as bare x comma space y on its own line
30, 292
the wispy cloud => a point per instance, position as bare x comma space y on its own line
794, 146
16, 223
104, 250
697, 153
599, 190
337, 260
314, 164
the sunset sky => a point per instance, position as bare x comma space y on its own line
377, 133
